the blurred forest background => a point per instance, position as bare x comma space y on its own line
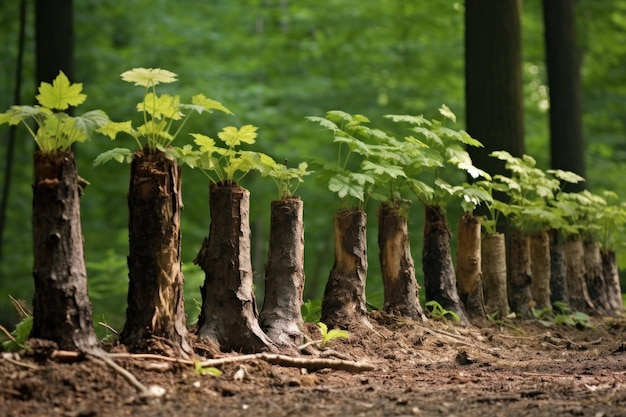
274, 62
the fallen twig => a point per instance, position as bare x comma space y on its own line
7, 333
19, 363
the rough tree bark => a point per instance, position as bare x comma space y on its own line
469, 273
493, 253
520, 278
343, 304
558, 270
579, 299
156, 308
540, 269
594, 278
229, 312
61, 306
439, 276
281, 317
396, 264
611, 277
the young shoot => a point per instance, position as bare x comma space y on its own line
55, 129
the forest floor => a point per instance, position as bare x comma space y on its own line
418, 369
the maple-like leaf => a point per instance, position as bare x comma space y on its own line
111, 129
159, 107
60, 95
148, 77
234, 137
201, 102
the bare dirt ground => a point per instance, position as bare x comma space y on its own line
419, 369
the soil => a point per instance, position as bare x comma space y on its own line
435, 368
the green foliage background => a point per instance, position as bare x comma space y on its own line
273, 62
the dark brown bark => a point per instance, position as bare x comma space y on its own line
563, 67
493, 74
156, 310
558, 270
594, 278
579, 299
229, 312
61, 306
469, 273
520, 278
493, 264
281, 317
396, 264
611, 277
54, 29
540, 269
343, 304
439, 276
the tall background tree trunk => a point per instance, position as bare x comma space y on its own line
61, 306
229, 313
54, 28
493, 80
281, 317
155, 292
563, 65
343, 304
396, 264
439, 275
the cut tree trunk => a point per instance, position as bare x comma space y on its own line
558, 270
61, 306
229, 312
611, 277
579, 299
520, 279
493, 252
439, 276
343, 305
281, 317
594, 278
155, 316
540, 269
469, 273
396, 264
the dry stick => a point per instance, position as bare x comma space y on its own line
8, 334
455, 338
22, 364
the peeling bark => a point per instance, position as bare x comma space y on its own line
229, 312
281, 317
156, 305
396, 264
520, 279
540, 269
611, 277
579, 299
558, 270
594, 278
61, 305
469, 273
439, 276
343, 304
493, 252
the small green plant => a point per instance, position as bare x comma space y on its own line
503, 322
329, 335
311, 311
160, 114
287, 179
20, 336
563, 316
56, 129
437, 312
206, 370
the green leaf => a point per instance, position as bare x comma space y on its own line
148, 77
21, 333
233, 137
447, 113
161, 107
325, 123
121, 155
343, 187
393, 171
208, 104
111, 129
91, 121
60, 95
414, 120
206, 370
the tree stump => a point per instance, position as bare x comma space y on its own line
493, 253
61, 305
540, 269
469, 273
520, 279
343, 304
229, 312
611, 277
558, 271
396, 264
281, 317
156, 305
579, 299
439, 276
594, 278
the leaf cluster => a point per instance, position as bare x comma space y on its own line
329, 335
163, 115
56, 129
